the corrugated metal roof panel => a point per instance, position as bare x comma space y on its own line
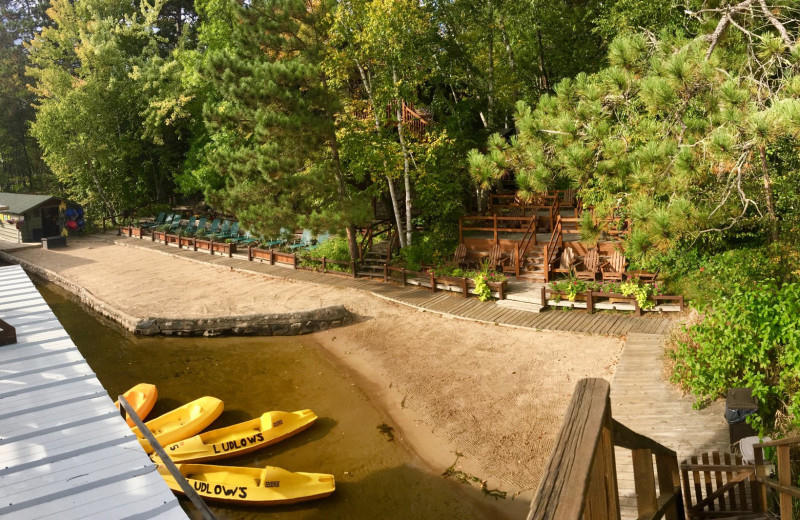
65, 453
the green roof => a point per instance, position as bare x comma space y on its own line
19, 203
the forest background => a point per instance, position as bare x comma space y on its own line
683, 117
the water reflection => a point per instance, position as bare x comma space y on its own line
375, 478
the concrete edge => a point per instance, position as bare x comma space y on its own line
273, 324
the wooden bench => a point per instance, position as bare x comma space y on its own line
54, 242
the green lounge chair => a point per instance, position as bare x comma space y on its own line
176, 223
190, 225
157, 222
306, 240
233, 232
201, 224
248, 239
321, 239
214, 227
224, 229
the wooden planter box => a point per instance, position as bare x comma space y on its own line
186, 242
125, 231
172, 239
205, 245
257, 253
159, 236
223, 247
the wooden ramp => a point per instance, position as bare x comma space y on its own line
65, 452
650, 406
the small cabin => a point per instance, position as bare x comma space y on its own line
29, 218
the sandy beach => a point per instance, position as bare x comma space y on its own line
496, 395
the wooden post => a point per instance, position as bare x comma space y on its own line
590, 302
668, 480
353, 267
785, 479
271, 257
464, 288
249, 253
637, 311
543, 297
644, 482
403, 273
211, 247
501, 295
323, 265
680, 301
517, 259
385, 273
545, 263
494, 220
433, 282
295, 260
760, 498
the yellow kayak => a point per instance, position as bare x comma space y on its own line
241, 438
190, 419
251, 486
142, 397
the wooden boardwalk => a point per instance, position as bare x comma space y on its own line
645, 403
65, 452
447, 303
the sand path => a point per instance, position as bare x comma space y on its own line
494, 394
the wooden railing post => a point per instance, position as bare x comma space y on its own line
210, 247
546, 263
785, 479
590, 301
464, 288
760, 498
433, 282
249, 252
517, 259
494, 221
354, 266
323, 265
644, 482
543, 297
668, 480
385, 273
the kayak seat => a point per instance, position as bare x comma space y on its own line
196, 411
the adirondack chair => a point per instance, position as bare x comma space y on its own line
496, 257
305, 240
200, 224
176, 223
566, 261
190, 225
233, 231
460, 256
614, 269
587, 268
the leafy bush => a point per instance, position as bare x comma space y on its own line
426, 248
716, 276
335, 248
748, 339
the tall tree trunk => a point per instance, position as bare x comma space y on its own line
512, 63
545, 84
773, 217
352, 241
395, 206
406, 166
27, 160
490, 94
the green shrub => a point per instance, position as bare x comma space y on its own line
335, 248
750, 338
426, 248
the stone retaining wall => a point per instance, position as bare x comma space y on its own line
273, 324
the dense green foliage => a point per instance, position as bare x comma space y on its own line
750, 339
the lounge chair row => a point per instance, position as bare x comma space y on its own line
228, 230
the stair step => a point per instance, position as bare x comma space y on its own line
519, 305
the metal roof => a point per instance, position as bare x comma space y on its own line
19, 203
65, 452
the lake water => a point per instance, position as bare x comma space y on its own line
375, 477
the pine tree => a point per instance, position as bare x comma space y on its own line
273, 132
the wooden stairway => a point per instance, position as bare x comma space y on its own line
532, 269
374, 260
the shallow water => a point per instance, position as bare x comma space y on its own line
375, 477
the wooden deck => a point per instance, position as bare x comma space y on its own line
646, 404
65, 452
446, 303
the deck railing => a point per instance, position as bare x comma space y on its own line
782, 487
580, 481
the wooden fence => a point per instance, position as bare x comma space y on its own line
580, 480
593, 297
716, 485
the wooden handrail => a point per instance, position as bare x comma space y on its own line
580, 479
556, 238
783, 486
